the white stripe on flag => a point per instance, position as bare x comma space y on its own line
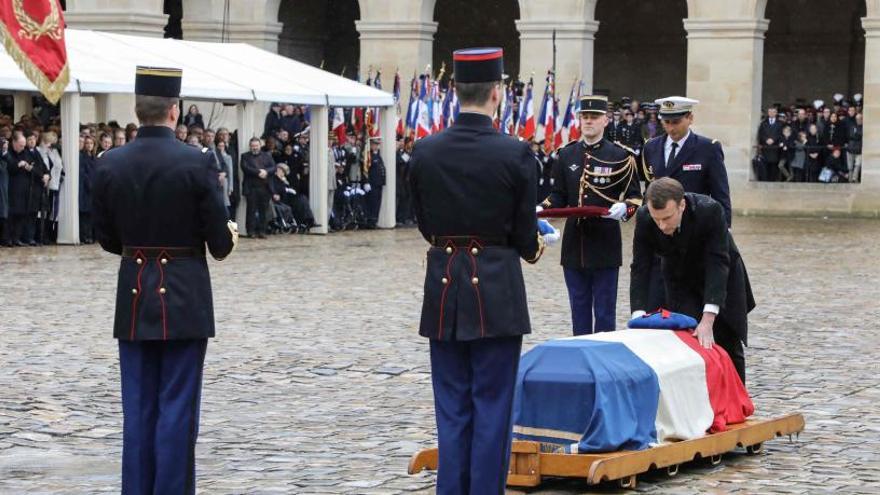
683, 411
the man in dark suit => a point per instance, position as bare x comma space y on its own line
473, 191
375, 183
704, 274
157, 203
594, 172
258, 167
769, 142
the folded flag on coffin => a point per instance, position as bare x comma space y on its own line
625, 390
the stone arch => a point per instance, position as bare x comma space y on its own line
316, 31
813, 50
640, 49
459, 25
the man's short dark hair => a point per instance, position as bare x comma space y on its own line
255, 139
152, 110
474, 93
662, 190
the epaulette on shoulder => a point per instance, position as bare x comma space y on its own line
627, 148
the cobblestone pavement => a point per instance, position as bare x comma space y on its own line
318, 382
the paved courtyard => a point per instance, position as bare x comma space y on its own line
318, 382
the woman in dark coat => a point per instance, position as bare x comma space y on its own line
193, 117
86, 166
814, 148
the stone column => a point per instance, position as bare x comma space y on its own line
574, 53
396, 35
870, 200
68, 199
724, 71
246, 21
575, 27
136, 17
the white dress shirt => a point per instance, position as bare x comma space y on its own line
667, 148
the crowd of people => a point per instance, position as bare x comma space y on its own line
811, 143
795, 143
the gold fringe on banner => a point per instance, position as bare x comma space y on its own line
52, 90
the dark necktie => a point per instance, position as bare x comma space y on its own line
671, 157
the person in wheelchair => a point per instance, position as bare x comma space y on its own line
294, 207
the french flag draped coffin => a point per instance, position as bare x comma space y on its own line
625, 390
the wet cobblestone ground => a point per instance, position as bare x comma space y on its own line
318, 382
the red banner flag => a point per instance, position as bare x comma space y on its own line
33, 35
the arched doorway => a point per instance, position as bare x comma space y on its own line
813, 50
460, 25
321, 31
640, 49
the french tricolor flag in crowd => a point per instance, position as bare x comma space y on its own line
436, 108
626, 390
450, 106
507, 113
413, 108
339, 124
571, 122
547, 119
525, 128
396, 93
423, 112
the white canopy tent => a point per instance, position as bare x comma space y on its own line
104, 63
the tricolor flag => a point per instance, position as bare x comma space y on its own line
412, 109
423, 113
626, 390
449, 104
547, 118
525, 128
396, 93
507, 114
436, 108
339, 124
571, 122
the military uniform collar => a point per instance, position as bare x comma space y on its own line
156, 131
593, 147
473, 119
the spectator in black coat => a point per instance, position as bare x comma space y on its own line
193, 117
273, 120
87, 163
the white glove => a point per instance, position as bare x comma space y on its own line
367, 187
359, 191
539, 209
616, 212
637, 314
346, 193
553, 238
290, 190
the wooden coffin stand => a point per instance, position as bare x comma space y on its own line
528, 465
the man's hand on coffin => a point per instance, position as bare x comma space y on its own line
704, 332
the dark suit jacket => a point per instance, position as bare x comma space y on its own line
470, 180
251, 165
766, 131
698, 165
157, 192
700, 263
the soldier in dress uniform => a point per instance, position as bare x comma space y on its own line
474, 196
695, 161
375, 183
157, 203
594, 172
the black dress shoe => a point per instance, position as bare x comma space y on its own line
19, 244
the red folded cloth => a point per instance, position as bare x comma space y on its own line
576, 211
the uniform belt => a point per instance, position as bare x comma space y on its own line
155, 252
467, 240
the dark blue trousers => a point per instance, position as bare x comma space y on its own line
592, 293
161, 391
474, 383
